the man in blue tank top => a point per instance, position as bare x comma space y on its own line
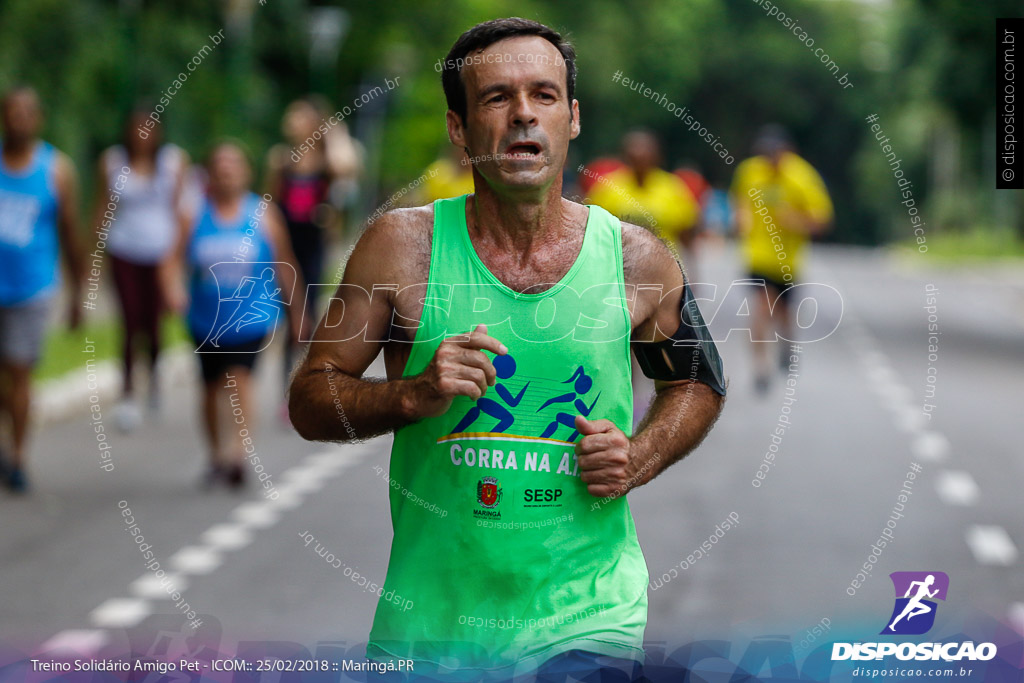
37, 220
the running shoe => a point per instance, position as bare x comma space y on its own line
16, 480
234, 475
127, 416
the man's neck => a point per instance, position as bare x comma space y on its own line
641, 175
17, 153
227, 205
516, 222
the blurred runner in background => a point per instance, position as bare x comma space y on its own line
316, 155
232, 308
450, 176
695, 182
596, 169
780, 202
716, 214
147, 177
645, 194
38, 218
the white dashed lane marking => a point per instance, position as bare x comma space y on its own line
153, 588
1017, 616
227, 536
255, 515
956, 487
991, 545
930, 446
195, 559
76, 642
120, 613
205, 557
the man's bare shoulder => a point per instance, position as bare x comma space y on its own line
394, 248
646, 259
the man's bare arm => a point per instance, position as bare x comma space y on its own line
330, 400
682, 412
67, 227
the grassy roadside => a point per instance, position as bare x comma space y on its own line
63, 348
978, 245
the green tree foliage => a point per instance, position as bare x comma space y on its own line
925, 66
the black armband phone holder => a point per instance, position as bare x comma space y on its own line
690, 353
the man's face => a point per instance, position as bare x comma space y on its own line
229, 171
22, 116
518, 118
640, 150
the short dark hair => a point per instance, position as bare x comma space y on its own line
228, 141
488, 33
20, 89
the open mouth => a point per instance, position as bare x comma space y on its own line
523, 150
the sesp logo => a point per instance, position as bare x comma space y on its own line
542, 498
916, 592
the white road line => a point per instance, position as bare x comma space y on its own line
1017, 616
226, 537
956, 487
204, 559
910, 419
991, 545
930, 446
82, 642
120, 613
255, 515
195, 559
153, 588
896, 394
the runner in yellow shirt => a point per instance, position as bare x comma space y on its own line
780, 202
644, 194
450, 176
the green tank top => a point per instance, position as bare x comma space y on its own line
501, 558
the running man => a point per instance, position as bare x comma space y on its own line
914, 606
780, 202
644, 192
38, 205
236, 250
576, 589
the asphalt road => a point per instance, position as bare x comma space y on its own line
72, 576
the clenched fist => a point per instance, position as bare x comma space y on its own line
603, 455
459, 368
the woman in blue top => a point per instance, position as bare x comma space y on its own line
241, 276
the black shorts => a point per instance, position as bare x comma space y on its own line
216, 360
774, 285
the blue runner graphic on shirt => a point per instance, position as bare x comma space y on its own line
582, 383
504, 367
520, 407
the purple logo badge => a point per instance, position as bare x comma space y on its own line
916, 592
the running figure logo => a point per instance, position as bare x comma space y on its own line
581, 384
504, 368
254, 304
914, 612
